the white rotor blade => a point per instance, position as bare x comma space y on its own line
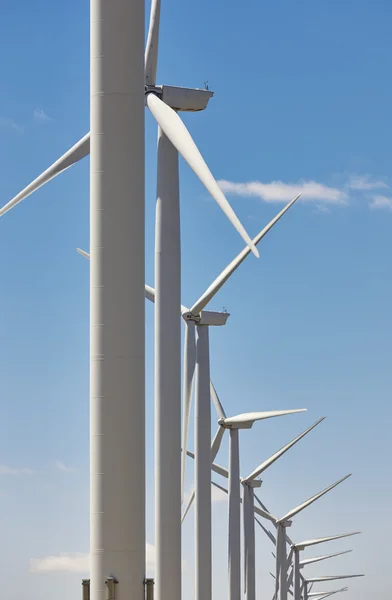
309, 561
189, 372
267, 463
331, 578
331, 538
290, 578
149, 292
266, 531
247, 419
217, 403
188, 506
174, 128
72, 156
220, 487
151, 54
301, 507
216, 442
265, 514
83, 253
233, 266
263, 506
214, 467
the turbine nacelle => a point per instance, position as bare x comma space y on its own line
207, 317
181, 99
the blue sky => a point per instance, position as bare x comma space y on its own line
302, 101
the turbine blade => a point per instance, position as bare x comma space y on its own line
266, 531
174, 128
301, 507
265, 514
331, 578
270, 461
151, 54
188, 506
217, 403
306, 543
220, 487
72, 156
214, 467
83, 253
247, 419
149, 292
263, 506
192, 496
216, 443
235, 263
309, 561
189, 371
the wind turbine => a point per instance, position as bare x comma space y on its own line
249, 483
299, 564
295, 574
245, 421
282, 524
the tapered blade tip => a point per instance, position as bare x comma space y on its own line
255, 251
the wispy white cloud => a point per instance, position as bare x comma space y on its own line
381, 202
10, 124
5, 470
79, 562
278, 191
63, 467
40, 116
365, 183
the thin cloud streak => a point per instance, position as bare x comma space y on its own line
41, 117
5, 470
365, 183
10, 125
63, 467
278, 191
380, 202
79, 562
